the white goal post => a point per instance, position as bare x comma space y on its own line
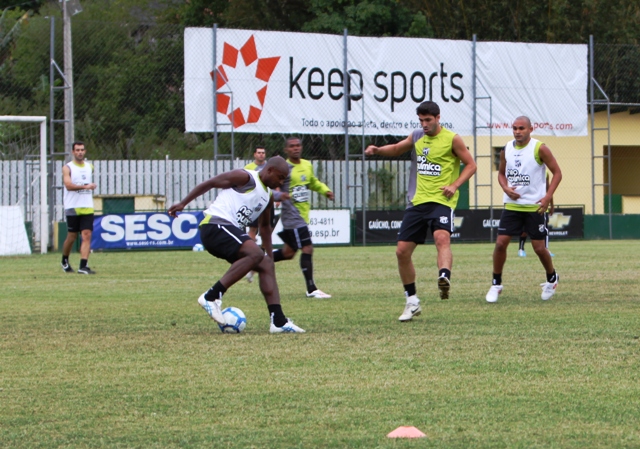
40, 209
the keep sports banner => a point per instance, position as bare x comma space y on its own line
282, 82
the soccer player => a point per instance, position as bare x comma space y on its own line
435, 177
259, 162
246, 195
77, 177
295, 213
522, 176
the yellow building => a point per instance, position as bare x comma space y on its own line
575, 159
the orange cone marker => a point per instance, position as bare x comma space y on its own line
406, 432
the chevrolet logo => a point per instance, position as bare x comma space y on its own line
559, 220
457, 222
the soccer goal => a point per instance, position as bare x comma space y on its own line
24, 211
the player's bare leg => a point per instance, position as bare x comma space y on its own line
442, 240
404, 253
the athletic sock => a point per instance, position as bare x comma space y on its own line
275, 310
215, 292
306, 264
83, 263
497, 279
445, 272
551, 278
410, 289
522, 242
65, 260
277, 255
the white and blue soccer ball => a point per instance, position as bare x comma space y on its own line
235, 321
198, 247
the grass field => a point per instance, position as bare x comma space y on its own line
128, 359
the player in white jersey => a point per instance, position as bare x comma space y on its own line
522, 176
77, 178
246, 195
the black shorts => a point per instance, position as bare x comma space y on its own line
223, 241
515, 222
417, 220
296, 238
78, 223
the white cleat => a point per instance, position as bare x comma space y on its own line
549, 289
249, 277
288, 328
494, 292
411, 309
212, 308
522, 253
318, 294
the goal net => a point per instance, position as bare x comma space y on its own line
24, 212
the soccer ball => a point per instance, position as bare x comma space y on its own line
198, 247
235, 321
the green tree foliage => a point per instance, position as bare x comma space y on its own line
558, 21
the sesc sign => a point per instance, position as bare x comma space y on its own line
145, 230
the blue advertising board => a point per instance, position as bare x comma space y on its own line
145, 230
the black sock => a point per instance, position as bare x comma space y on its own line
215, 292
65, 259
497, 279
522, 242
444, 272
410, 289
277, 255
83, 263
551, 278
276, 313
306, 264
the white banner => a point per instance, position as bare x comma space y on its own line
327, 227
13, 235
294, 83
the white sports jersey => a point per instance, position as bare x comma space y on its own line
243, 205
526, 172
79, 199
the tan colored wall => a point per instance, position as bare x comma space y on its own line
574, 157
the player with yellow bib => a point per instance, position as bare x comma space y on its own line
435, 177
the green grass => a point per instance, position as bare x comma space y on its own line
128, 359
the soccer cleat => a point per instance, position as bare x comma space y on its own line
318, 294
249, 277
66, 267
411, 309
549, 289
493, 294
522, 253
212, 308
288, 328
86, 270
551, 254
444, 284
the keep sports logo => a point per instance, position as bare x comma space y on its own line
244, 76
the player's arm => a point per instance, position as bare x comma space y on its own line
318, 186
459, 149
546, 156
234, 178
391, 150
264, 225
502, 178
69, 185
